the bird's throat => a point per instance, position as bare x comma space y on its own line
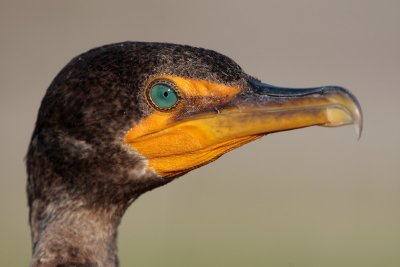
74, 235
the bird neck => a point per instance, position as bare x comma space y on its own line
72, 234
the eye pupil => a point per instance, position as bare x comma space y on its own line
163, 95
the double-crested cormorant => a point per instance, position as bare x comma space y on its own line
122, 119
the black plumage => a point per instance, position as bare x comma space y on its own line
82, 176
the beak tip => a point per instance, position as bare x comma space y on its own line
357, 117
351, 103
358, 128
358, 124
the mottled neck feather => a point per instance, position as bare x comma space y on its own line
77, 200
71, 234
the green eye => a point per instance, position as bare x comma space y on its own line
163, 95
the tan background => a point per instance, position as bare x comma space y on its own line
311, 197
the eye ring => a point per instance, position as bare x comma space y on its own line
163, 95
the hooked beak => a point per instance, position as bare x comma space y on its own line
266, 108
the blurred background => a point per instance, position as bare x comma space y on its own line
310, 197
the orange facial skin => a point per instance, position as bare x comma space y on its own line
173, 147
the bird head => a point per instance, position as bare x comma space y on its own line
128, 117
125, 118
